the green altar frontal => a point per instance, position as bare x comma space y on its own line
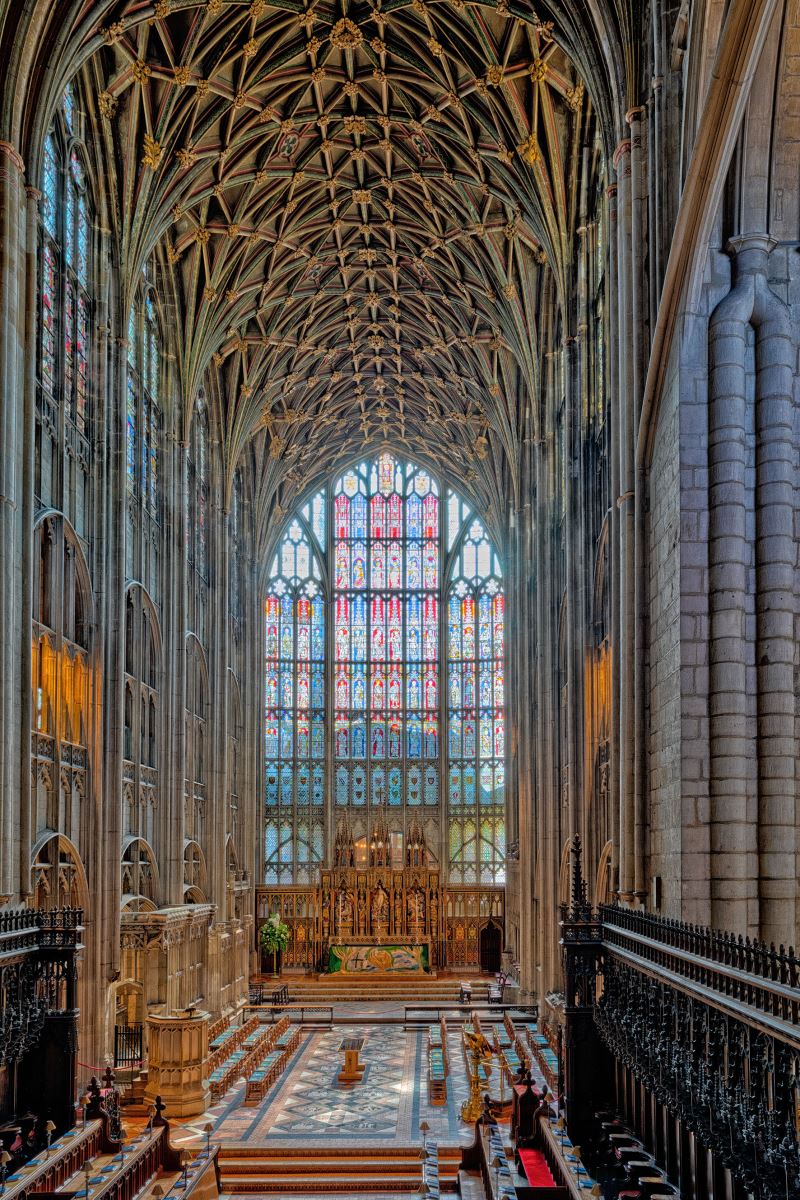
401, 958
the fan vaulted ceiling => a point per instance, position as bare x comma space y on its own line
355, 206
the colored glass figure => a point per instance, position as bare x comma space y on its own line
359, 739
378, 573
359, 579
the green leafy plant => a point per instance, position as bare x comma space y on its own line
274, 938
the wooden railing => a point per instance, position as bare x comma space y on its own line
49, 1172
84, 1163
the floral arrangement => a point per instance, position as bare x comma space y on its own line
274, 937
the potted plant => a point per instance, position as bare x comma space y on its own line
274, 939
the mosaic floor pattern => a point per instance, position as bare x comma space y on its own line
308, 1105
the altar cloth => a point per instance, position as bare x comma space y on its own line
391, 959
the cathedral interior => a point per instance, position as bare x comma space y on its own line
399, 528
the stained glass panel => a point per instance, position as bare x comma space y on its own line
475, 696
295, 701
130, 431
386, 642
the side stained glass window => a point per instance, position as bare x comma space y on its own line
295, 710
476, 712
65, 303
143, 412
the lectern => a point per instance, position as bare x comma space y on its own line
353, 1069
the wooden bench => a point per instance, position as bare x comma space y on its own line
271, 1064
228, 1040
217, 1027
437, 1077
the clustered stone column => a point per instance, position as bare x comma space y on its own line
751, 570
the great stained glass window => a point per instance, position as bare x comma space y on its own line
65, 304
373, 552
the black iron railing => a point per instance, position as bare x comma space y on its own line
750, 973
127, 1045
708, 1023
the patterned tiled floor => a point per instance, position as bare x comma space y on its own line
307, 1104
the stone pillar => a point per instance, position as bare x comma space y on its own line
26, 817
13, 625
775, 581
615, 578
173, 760
624, 500
106, 748
734, 900
639, 339
752, 819
251, 818
176, 1071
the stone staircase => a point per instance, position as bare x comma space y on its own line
303, 1170
328, 989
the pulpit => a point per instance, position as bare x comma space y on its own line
177, 1062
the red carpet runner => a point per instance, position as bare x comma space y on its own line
536, 1169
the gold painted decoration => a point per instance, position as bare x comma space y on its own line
107, 104
152, 152
346, 35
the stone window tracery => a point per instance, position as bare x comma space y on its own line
141, 714
197, 530
143, 435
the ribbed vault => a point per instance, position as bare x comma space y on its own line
357, 208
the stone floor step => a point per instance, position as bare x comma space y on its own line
470, 1185
238, 1151
329, 1185
233, 1169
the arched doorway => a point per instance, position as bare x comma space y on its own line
491, 944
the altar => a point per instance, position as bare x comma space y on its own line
377, 958
370, 904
